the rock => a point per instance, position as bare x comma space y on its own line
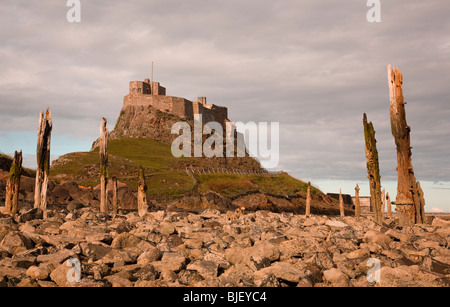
150, 255
338, 224
336, 278
27, 283
438, 222
210, 213
57, 258
166, 229
124, 240
118, 257
170, 261
399, 276
194, 243
282, 271
37, 273
119, 281
14, 242
357, 254
74, 205
33, 214
204, 268
62, 273
188, 277
18, 262
94, 251
377, 237
269, 280
255, 253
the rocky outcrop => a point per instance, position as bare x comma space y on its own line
206, 249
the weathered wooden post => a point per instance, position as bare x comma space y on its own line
114, 196
389, 205
43, 160
357, 202
383, 202
142, 194
308, 201
13, 185
409, 202
103, 166
373, 169
341, 203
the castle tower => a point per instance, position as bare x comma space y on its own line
147, 88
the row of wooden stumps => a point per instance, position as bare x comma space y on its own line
409, 202
341, 202
42, 169
142, 186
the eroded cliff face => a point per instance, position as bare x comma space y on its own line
144, 122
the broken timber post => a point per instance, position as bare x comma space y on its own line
114, 196
409, 202
388, 205
308, 201
357, 202
142, 194
103, 166
341, 203
373, 169
13, 185
43, 160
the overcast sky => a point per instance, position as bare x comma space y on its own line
314, 66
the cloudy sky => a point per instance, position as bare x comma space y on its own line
314, 66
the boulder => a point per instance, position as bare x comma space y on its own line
37, 273
281, 270
32, 214
150, 255
336, 278
14, 242
124, 240
204, 268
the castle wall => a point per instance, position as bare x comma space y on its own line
175, 105
151, 93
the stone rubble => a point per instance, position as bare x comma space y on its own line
206, 249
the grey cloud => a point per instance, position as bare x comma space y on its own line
314, 66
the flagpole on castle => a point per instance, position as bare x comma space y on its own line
152, 72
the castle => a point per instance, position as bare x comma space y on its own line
145, 93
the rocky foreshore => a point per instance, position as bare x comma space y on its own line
210, 249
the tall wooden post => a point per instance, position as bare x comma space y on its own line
308, 201
373, 169
43, 160
114, 199
142, 194
341, 203
357, 202
13, 185
409, 201
103, 166
383, 202
388, 205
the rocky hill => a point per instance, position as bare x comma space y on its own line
142, 137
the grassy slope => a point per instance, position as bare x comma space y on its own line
125, 156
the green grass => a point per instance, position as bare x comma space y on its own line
163, 173
232, 184
124, 158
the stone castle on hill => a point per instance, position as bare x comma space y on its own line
147, 93
147, 112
